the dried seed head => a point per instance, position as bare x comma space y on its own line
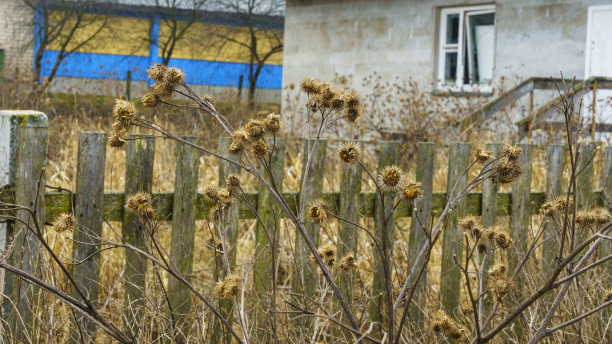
484, 246
351, 99
238, 141
124, 111
120, 128
272, 123
215, 212
608, 295
229, 287
562, 202
483, 155
260, 148
503, 240
157, 72
255, 129
456, 333
353, 113
499, 269
225, 198
471, 226
328, 253
511, 152
349, 152
411, 192
64, 222
311, 85
116, 142
601, 216
441, 322
149, 100
319, 211
163, 90
140, 205
175, 76
233, 180
212, 192
500, 285
548, 209
389, 179
348, 262
506, 171
585, 218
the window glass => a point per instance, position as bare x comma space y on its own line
450, 67
481, 41
452, 28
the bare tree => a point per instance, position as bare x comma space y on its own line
178, 19
261, 37
65, 26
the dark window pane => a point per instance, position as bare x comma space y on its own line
450, 67
452, 29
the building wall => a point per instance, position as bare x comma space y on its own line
16, 34
398, 38
131, 42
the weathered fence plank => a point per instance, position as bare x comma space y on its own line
389, 155
304, 278
521, 204
554, 188
30, 162
88, 203
452, 238
584, 182
606, 200
138, 178
183, 234
265, 272
230, 228
348, 234
420, 223
489, 219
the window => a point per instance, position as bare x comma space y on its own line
467, 42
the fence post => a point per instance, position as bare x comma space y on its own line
606, 247
489, 219
584, 182
389, 155
305, 277
219, 271
348, 235
88, 203
265, 272
421, 215
138, 178
183, 234
25, 138
521, 213
452, 238
554, 188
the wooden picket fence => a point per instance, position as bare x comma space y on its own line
90, 203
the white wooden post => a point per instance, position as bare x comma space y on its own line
10, 120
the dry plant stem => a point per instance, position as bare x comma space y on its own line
542, 330
485, 173
278, 197
82, 308
546, 287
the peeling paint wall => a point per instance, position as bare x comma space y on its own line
398, 38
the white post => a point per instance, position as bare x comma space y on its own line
10, 120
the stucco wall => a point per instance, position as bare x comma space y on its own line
399, 38
16, 34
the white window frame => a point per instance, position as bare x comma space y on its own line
459, 48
